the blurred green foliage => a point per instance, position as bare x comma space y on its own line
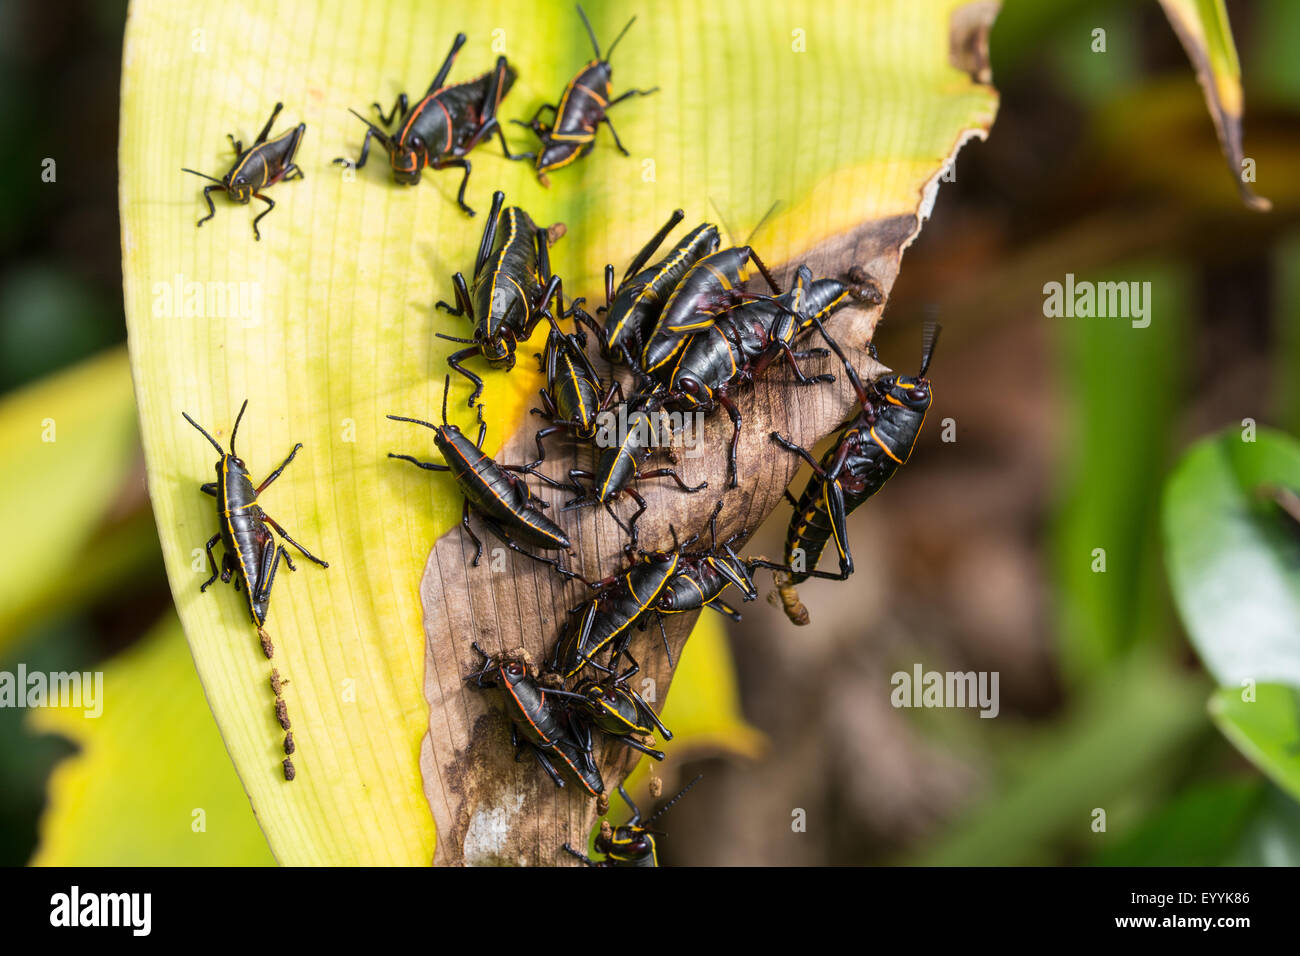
1123, 388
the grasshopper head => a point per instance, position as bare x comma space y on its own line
407, 161
239, 188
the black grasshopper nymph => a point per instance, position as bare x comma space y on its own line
742, 342
540, 719
632, 309
251, 550
502, 501
640, 429
867, 451
611, 706
633, 843
263, 164
443, 126
605, 622
574, 397
583, 106
512, 284
702, 576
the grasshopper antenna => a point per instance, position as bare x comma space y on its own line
375, 131
204, 175
667, 806
234, 431
220, 451
610, 52
759, 225
590, 32
725, 225
929, 339
413, 421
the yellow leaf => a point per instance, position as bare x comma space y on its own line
846, 113
70, 441
703, 711
152, 785
1203, 28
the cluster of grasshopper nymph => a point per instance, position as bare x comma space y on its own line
683, 334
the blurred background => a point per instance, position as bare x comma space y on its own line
978, 557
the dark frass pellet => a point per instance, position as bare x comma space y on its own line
256, 532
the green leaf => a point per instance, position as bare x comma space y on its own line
152, 785
1102, 752
1105, 613
1202, 826
1272, 838
1234, 557
845, 115
1265, 729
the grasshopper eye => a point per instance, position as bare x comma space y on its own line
416, 142
918, 394
515, 669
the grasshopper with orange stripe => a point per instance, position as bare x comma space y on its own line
868, 449
541, 719
502, 501
583, 106
263, 164
442, 128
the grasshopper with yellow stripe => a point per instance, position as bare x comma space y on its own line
868, 449
265, 163
633, 843
251, 550
583, 106
512, 283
